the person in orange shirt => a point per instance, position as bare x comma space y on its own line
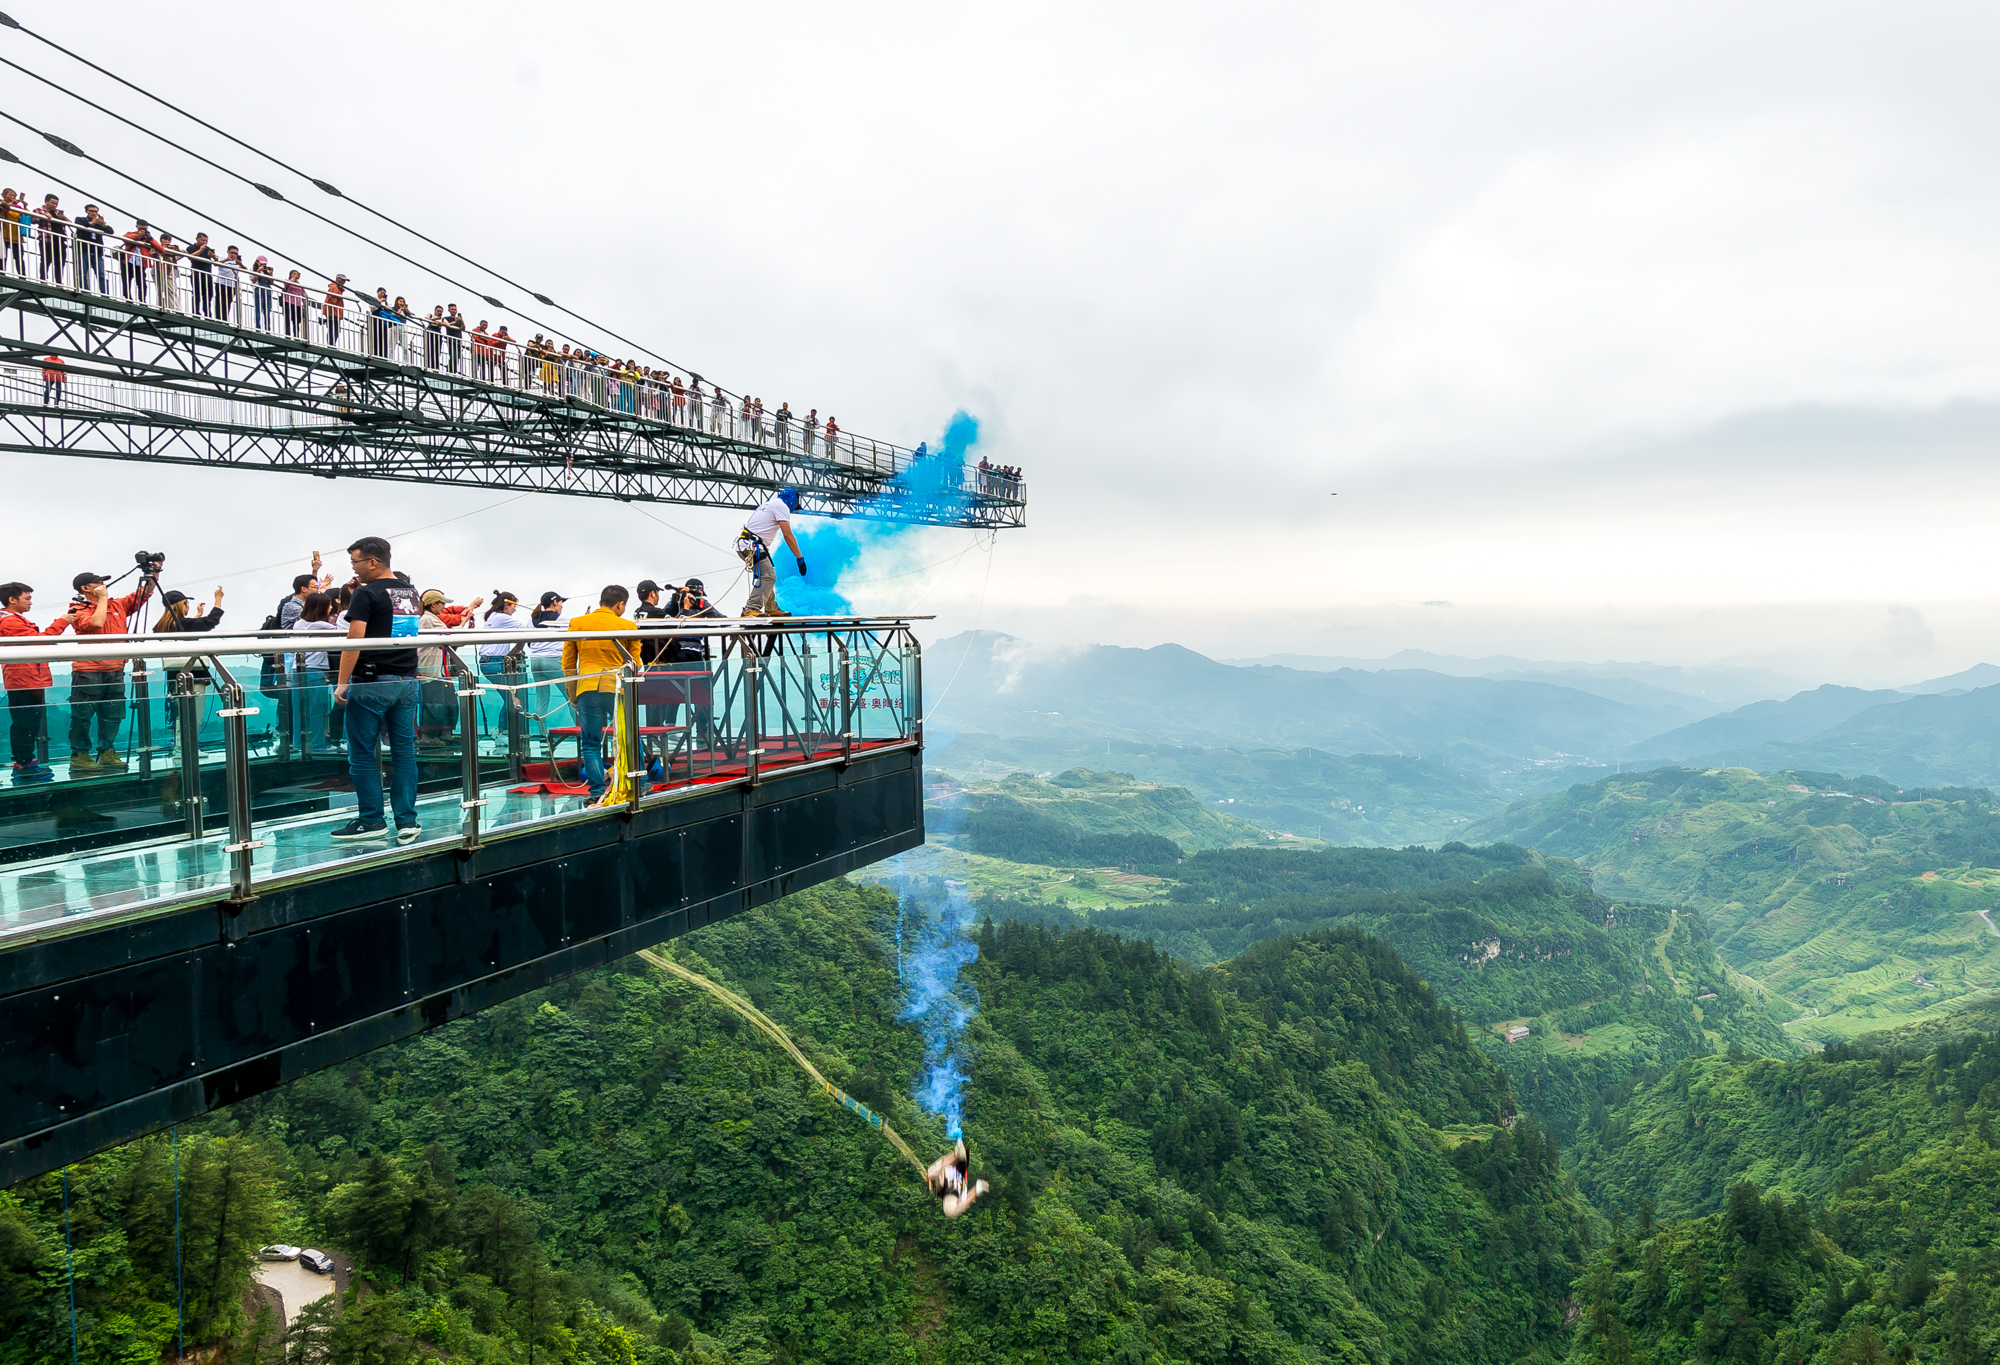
27, 685
335, 308
53, 378
590, 670
97, 686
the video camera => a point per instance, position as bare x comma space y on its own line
149, 561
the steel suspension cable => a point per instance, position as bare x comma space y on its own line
65, 145
10, 22
70, 147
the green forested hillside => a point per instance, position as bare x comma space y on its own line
1609, 991
1021, 817
1875, 1242
1288, 1160
1837, 894
1367, 799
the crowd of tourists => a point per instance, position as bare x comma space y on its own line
197, 278
1003, 480
329, 700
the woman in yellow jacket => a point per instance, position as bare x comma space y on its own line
590, 672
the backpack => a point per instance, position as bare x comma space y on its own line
271, 675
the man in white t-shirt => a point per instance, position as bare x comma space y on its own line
753, 547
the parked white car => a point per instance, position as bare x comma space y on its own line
316, 1260
279, 1252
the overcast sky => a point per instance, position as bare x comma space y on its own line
1621, 333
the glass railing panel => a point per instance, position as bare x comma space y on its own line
880, 672
797, 685
209, 773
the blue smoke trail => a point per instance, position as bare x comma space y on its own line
937, 1001
832, 549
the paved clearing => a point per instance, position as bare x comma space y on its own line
297, 1285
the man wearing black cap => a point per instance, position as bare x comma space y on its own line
690, 600
652, 652
548, 620
97, 686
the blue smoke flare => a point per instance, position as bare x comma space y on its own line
832, 549
939, 946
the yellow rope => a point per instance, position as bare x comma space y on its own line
763, 1024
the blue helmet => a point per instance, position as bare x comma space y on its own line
789, 497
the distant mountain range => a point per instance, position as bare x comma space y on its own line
1010, 687
1944, 739
1763, 722
1521, 725
1707, 689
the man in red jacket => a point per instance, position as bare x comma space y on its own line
27, 684
97, 686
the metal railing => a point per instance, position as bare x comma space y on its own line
226, 814
229, 293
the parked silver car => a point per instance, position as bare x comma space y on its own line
280, 1252
316, 1260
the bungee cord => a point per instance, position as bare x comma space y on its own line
757, 1019
977, 616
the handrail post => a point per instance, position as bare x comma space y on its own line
468, 750
236, 762
635, 746
752, 731
516, 728
846, 684
913, 687
142, 702
189, 732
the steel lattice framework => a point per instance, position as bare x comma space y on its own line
169, 388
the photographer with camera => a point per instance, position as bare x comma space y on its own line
689, 601
97, 686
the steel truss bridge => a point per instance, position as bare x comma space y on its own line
168, 387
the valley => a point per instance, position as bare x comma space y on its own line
1270, 1053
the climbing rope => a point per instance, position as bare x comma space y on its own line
757, 1019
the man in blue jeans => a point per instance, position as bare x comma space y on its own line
380, 690
593, 667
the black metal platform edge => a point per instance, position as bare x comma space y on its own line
84, 952
631, 853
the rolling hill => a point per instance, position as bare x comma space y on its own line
1948, 739
1608, 991
1858, 903
1365, 799
1807, 713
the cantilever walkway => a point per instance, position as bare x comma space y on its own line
90, 851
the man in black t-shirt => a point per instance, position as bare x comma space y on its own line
380, 690
652, 652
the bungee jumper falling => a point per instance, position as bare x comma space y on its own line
948, 1180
